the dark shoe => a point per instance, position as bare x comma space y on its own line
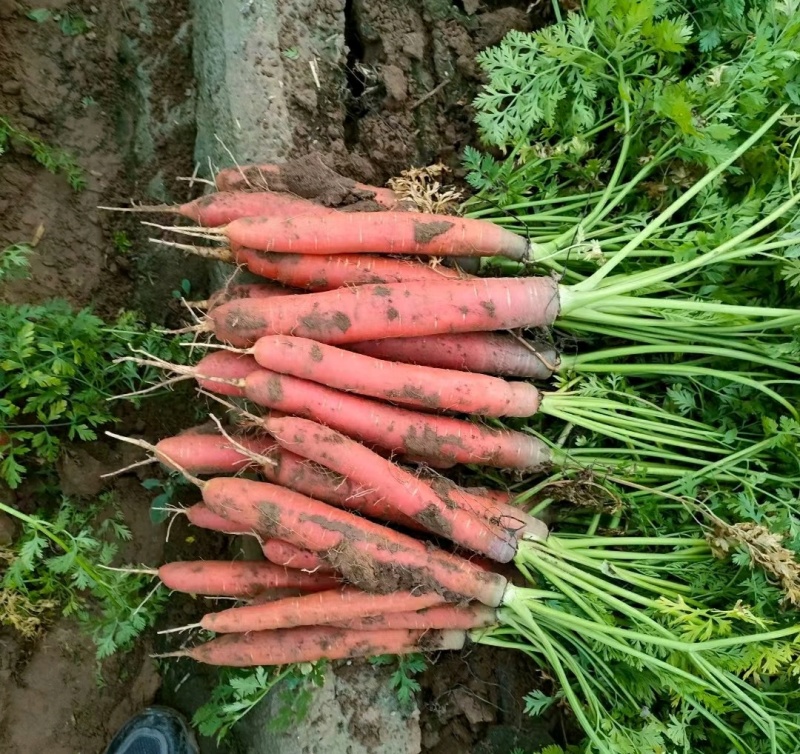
155, 730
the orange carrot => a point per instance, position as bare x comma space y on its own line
499, 496
441, 616
202, 516
283, 553
370, 556
219, 369
495, 511
328, 273
312, 643
215, 454
275, 178
209, 453
434, 463
275, 550
487, 353
313, 610
329, 232
374, 312
436, 439
221, 208
316, 481
238, 578
245, 290
409, 494
410, 385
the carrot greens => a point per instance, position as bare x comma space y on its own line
649, 155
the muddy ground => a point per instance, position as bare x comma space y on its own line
121, 97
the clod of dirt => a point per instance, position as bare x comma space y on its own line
470, 701
310, 177
475, 709
396, 84
7, 9
80, 468
493, 26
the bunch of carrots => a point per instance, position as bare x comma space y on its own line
377, 367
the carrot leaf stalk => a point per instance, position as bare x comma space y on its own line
629, 604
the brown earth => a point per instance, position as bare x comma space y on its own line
68, 92
404, 100
410, 78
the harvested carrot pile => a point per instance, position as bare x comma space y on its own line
357, 373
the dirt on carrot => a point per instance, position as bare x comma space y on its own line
429, 444
412, 393
382, 578
275, 388
442, 487
433, 520
426, 232
319, 321
236, 319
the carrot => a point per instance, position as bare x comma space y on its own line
218, 370
434, 463
375, 312
283, 553
312, 610
422, 387
438, 617
202, 516
329, 232
312, 643
221, 208
316, 481
276, 178
215, 454
487, 353
436, 439
403, 490
493, 510
328, 273
275, 550
238, 578
499, 496
368, 555
440, 441
245, 290
264, 177
209, 453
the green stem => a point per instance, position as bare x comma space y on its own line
582, 360
567, 541
648, 304
594, 280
